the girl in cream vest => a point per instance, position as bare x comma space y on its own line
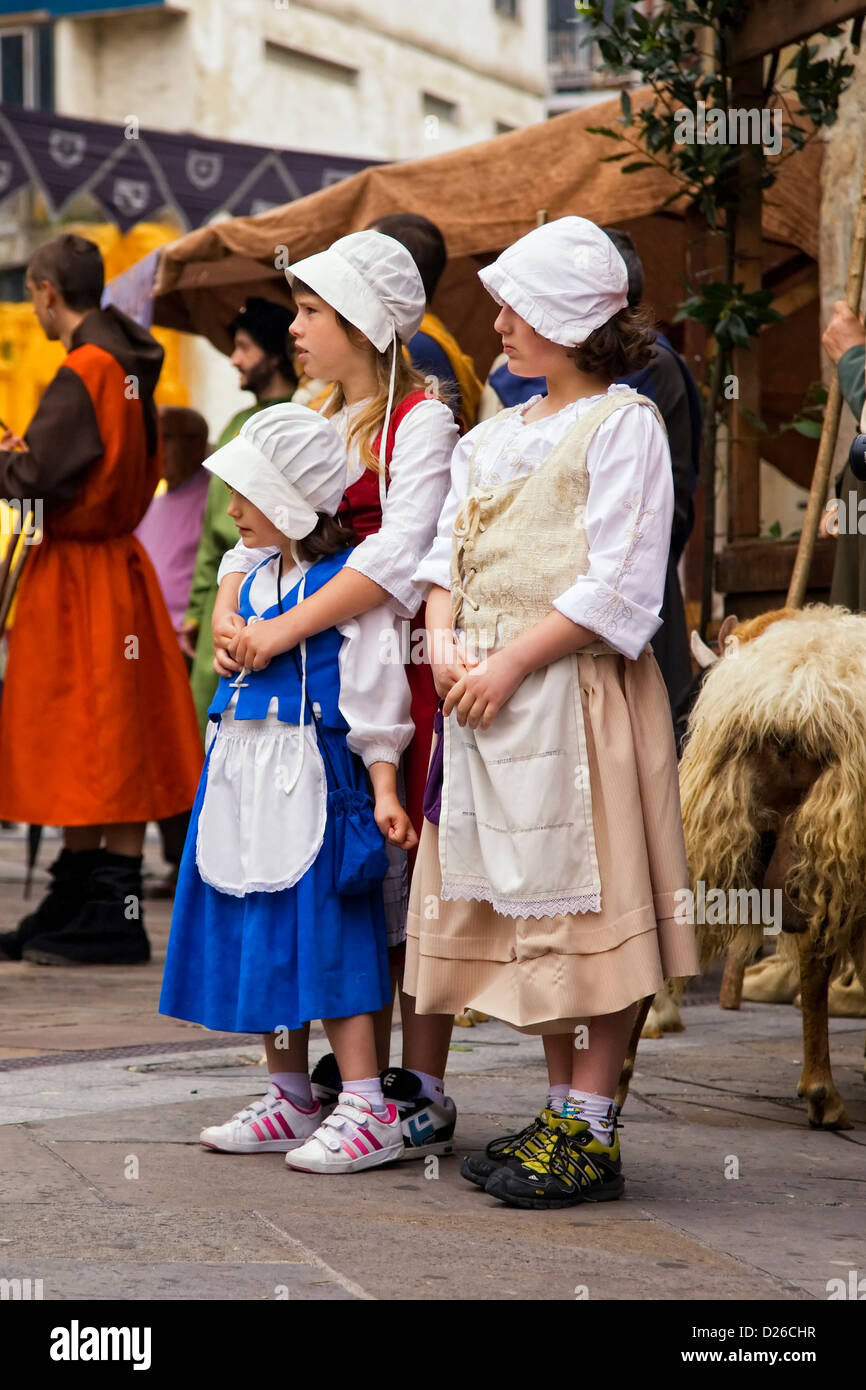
546, 896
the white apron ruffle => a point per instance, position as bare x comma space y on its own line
242, 846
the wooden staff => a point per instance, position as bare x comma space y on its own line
830, 430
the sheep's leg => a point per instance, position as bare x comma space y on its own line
664, 1014
628, 1065
826, 1107
736, 961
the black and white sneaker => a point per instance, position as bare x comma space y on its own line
326, 1082
427, 1125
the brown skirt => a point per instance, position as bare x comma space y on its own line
547, 975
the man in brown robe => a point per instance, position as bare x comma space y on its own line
97, 726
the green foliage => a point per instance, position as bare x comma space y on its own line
662, 51
809, 421
729, 313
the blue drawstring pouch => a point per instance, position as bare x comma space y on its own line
361, 861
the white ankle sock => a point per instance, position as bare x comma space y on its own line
556, 1097
370, 1090
432, 1087
295, 1085
596, 1110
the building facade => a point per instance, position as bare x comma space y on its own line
376, 79
382, 79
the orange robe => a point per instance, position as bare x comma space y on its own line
97, 723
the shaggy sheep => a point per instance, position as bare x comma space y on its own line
773, 787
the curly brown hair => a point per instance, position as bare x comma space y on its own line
621, 346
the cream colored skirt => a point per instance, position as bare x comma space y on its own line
548, 975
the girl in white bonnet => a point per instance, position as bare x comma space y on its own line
357, 303
546, 897
279, 916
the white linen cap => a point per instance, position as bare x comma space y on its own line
289, 462
565, 279
371, 280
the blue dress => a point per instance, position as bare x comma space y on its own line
266, 960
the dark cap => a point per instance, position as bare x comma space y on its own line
267, 324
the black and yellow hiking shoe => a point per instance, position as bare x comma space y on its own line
477, 1168
568, 1166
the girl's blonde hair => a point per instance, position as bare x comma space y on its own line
370, 421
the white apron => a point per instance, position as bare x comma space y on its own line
516, 824
242, 845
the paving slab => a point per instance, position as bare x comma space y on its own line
105, 1191
64, 1280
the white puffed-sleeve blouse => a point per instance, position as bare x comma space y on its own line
629, 512
419, 475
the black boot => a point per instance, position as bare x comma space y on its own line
108, 927
71, 876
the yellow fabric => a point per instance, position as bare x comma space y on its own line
28, 361
461, 364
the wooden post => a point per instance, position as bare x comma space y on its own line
695, 341
744, 512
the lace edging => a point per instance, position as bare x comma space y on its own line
535, 908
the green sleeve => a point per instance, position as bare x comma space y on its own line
210, 552
217, 536
852, 382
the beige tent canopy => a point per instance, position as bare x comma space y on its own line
485, 196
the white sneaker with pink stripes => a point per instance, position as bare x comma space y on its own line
350, 1139
273, 1124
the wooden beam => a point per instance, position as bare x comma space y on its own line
695, 345
744, 512
773, 24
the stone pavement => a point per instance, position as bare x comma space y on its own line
105, 1193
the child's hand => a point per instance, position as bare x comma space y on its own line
258, 643
446, 674
447, 662
393, 822
480, 694
225, 630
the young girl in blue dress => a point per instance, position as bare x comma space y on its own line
275, 924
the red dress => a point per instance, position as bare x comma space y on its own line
362, 509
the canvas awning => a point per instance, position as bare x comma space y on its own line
483, 197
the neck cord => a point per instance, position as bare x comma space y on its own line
299, 763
